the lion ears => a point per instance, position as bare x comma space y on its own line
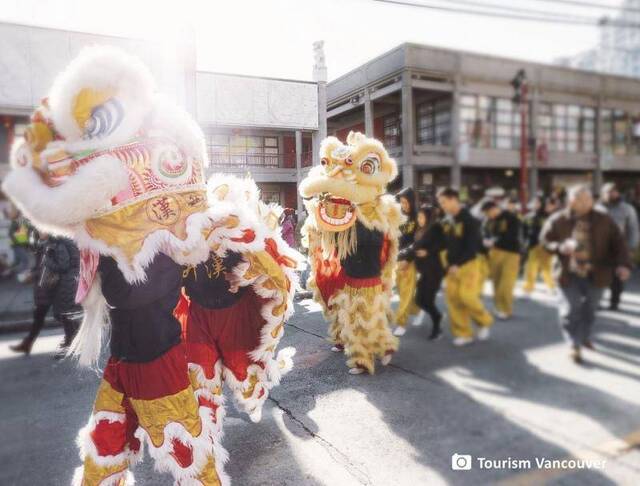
359, 142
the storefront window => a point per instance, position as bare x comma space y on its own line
567, 128
434, 122
617, 133
487, 122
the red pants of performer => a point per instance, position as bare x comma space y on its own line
152, 403
219, 346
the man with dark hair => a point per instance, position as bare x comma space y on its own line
462, 241
503, 243
449, 193
590, 248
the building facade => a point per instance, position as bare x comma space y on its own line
448, 118
618, 50
259, 126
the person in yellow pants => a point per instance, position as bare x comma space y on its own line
539, 260
504, 255
483, 270
406, 274
463, 242
406, 277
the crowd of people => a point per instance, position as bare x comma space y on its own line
572, 241
567, 239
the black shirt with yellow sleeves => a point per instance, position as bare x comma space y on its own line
462, 238
505, 229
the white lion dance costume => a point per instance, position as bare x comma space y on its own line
352, 234
195, 280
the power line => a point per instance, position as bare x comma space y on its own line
525, 11
548, 18
577, 3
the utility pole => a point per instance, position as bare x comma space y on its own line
520, 86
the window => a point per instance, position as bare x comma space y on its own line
434, 122
243, 150
616, 131
487, 122
392, 131
270, 197
567, 128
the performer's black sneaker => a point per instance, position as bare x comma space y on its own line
61, 352
436, 333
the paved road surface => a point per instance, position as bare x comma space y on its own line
515, 396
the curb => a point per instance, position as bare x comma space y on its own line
23, 324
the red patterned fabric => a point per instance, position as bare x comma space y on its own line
181, 312
327, 271
229, 334
386, 248
183, 454
248, 235
331, 277
110, 438
166, 375
88, 267
272, 248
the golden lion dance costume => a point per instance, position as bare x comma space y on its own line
114, 165
352, 235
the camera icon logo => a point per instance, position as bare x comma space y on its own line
461, 462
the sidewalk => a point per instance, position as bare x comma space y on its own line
16, 306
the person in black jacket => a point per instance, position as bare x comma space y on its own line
406, 274
463, 241
55, 285
504, 255
424, 252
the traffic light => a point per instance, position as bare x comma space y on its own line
517, 82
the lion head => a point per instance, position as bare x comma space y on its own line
350, 174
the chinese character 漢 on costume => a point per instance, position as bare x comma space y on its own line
193, 278
352, 233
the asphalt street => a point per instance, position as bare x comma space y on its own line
516, 396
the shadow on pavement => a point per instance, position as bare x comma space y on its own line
438, 419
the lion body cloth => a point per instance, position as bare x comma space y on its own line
192, 278
352, 233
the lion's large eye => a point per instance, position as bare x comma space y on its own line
370, 164
104, 119
324, 162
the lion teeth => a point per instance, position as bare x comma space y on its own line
335, 221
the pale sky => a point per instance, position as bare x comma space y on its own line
274, 37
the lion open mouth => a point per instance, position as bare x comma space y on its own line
335, 213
